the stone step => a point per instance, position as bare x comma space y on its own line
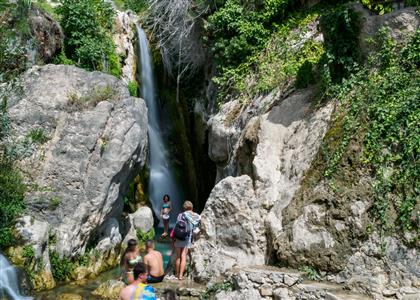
283, 284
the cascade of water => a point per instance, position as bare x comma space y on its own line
9, 288
162, 180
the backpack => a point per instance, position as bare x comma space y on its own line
182, 229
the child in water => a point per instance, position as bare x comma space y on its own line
164, 214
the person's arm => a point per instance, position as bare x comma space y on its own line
170, 206
146, 262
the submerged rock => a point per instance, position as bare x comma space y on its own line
109, 289
81, 138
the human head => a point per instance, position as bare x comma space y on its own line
166, 198
140, 272
131, 245
150, 245
188, 205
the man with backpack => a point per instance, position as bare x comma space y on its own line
187, 223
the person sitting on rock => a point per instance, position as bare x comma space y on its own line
138, 289
154, 262
164, 214
129, 259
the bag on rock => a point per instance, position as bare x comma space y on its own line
182, 229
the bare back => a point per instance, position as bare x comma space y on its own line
154, 262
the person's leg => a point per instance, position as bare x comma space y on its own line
166, 227
178, 261
183, 263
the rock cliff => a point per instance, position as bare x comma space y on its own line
80, 138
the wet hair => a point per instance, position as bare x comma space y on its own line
131, 244
139, 268
188, 205
149, 244
166, 198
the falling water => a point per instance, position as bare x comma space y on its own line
9, 288
162, 180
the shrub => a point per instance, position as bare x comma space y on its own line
37, 136
87, 25
133, 88
341, 30
12, 191
145, 236
61, 267
380, 104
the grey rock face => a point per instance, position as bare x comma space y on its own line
143, 219
96, 140
382, 268
274, 150
47, 33
230, 235
124, 37
401, 22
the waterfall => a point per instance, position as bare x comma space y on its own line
162, 180
9, 288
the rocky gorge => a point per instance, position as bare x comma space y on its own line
272, 220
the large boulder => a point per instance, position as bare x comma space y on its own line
401, 23
232, 231
47, 34
274, 150
81, 138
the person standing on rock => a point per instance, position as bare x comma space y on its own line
129, 259
164, 214
138, 290
187, 223
154, 262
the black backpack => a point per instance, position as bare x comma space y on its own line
182, 229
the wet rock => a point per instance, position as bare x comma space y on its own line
109, 289
69, 297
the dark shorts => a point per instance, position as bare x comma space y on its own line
153, 279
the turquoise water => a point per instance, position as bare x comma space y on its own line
164, 246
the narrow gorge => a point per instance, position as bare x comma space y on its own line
292, 127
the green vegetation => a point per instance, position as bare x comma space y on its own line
45, 6
61, 268
277, 66
145, 236
138, 6
215, 288
379, 104
341, 30
79, 102
310, 272
87, 25
12, 187
54, 202
133, 88
36, 136
13, 38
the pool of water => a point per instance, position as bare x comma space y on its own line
164, 246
